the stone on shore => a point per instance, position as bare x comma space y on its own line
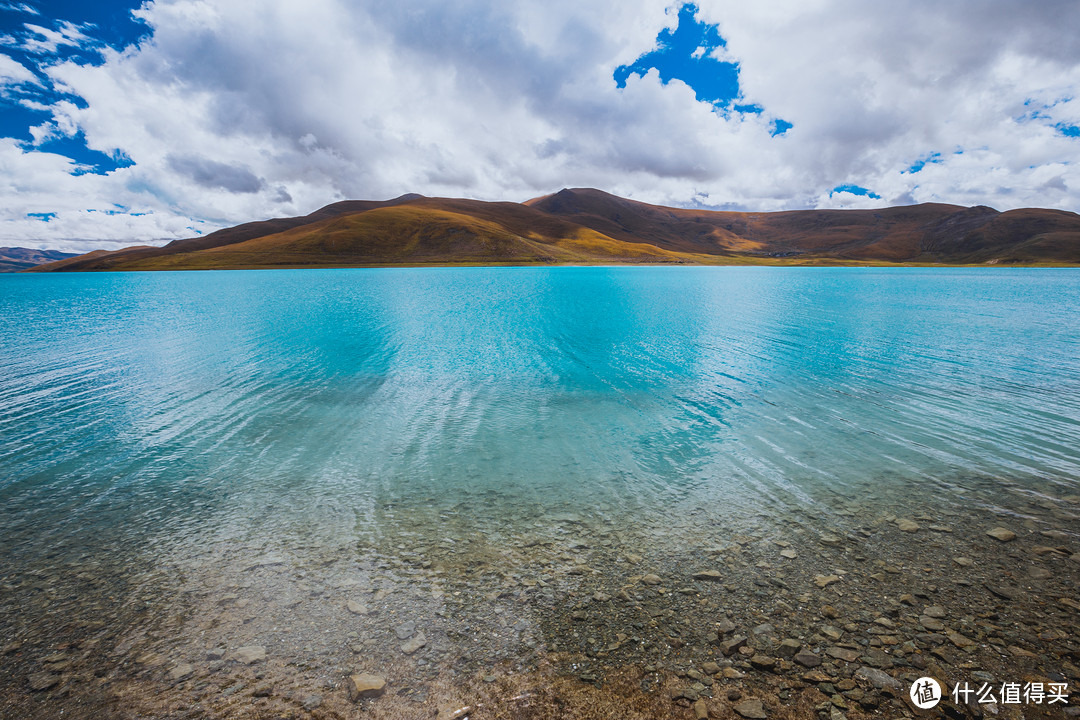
728, 647
807, 659
249, 654
713, 575
701, 710
751, 709
651, 579
823, 581
844, 654
357, 608
1000, 533
405, 630
907, 525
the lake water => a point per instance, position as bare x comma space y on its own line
268, 445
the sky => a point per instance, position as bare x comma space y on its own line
126, 123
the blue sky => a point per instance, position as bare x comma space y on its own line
125, 122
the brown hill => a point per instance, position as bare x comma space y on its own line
584, 226
14, 259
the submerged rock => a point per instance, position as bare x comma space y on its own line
249, 654
418, 641
1000, 533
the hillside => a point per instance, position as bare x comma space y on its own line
585, 226
14, 259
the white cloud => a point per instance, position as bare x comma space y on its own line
240, 111
12, 72
47, 41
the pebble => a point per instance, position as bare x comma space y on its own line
405, 630
789, 553
365, 685
788, 647
751, 709
415, 644
934, 611
907, 525
807, 659
357, 608
1000, 533
713, 575
728, 647
250, 654
823, 581
830, 540
701, 710
312, 702
842, 653
931, 624
963, 561
651, 579
40, 681
763, 662
831, 632
181, 671
710, 668
878, 678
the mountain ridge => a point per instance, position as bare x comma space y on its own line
589, 226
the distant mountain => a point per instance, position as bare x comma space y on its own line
13, 259
585, 226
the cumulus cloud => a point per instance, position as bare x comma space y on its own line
237, 111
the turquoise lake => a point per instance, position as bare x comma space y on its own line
176, 430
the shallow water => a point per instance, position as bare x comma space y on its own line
171, 439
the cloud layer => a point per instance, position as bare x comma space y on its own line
230, 111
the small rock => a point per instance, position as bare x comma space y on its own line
963, 561
959, 640
40, 681
651, 579
181, 671
732, 674
415, 644
807, 659
931, 624
405, 630
906, 525
728, 647
1069, 602
713, 575
830, 540
724, 626
842, 653
311, 702
878, 678
751, 709
365, 686
934, 611
763, 662
701, 710
789, 553
1000, 533
831, 632
250, 654
823, 581
788, 648
215, 654
710, 668
11, 647
357, 608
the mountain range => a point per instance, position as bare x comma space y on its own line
587, 226
13, 259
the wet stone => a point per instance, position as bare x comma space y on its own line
405, 630
763, 662
651, 579
729, 647
417, 642
807, 659
931, 624
934, 611
906, 525
712, 575
823, 581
